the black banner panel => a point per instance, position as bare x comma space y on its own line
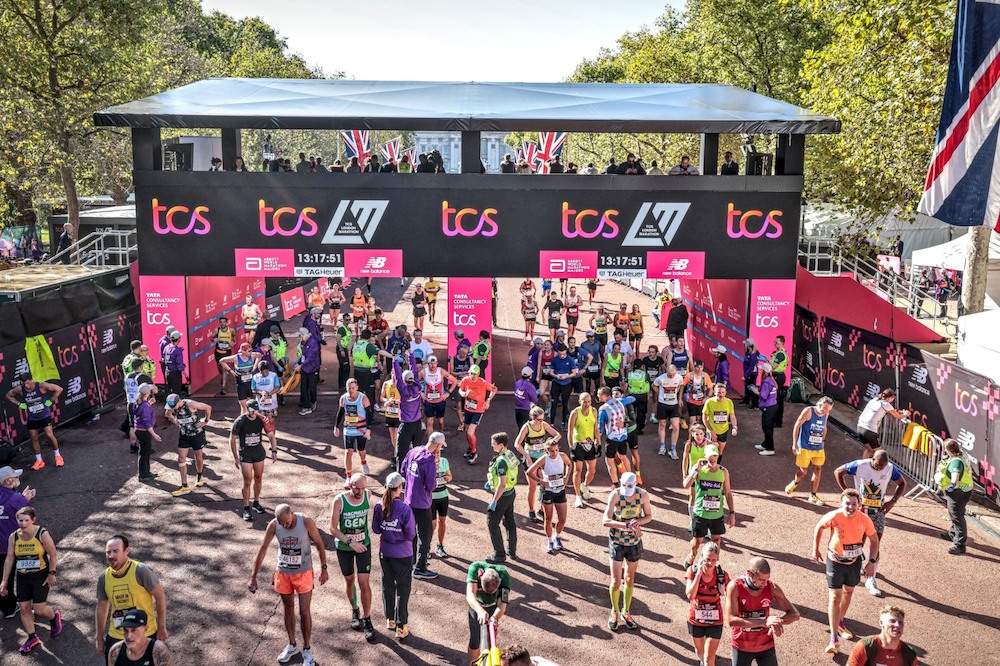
315, 225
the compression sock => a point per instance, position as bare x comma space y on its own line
629, 591
615, 595
354, 598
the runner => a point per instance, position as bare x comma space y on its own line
546, 287
440, 498
248, 430
33, 557
431, 288
639, 387
848, 529
501, 480
563, 282
477, 393
335, 298
615, 364
611, 422
654, 365
127, 586
635, 328
627, 351
886, 647
681, 359
871, 418
419, 347
749, 602
627, 511
459, 366
222, 345
583, 448
705, 586
525, 397
554, 309
481, 351
595, 355
573, 303
711, 482
599, 322
35, 399
694, 450
392, 520
530, 446
632, 438
487, 591
668, 389
808, 441
435, 395
266, 385
184, 413
349, 527
134, 378
544, 376
872, 477
591, 290
241, 366
721, 415
529, 310
251, 314
621, 320
549, 473
697, 387
420, 471
11, 501
353, 415
419, 301
527, 288
136, 647
293, 574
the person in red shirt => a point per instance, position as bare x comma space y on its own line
477, 393
749, 602
704, 585
887, 647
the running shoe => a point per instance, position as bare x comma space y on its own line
257, 507
378, 407
307, 657
200, 482
956, 550
673, 453
629, 622
424, 574
370, 633
790, 488
534, 517
814, 498
663, 450
559, 544
365, 469
638, 477
247, 515
461, 427
652, 419
844, 632
39, 464
467, 454
493, 559
402, 632
440, 552
183, 490
759, 447
873, 588
60, 462
613, 622
390, 625
578, 503
551, 548
946, 536
473, 458
56, 627
833, 647
586, 491
684, 424
286, 655
356, 623
30, 644
765, 452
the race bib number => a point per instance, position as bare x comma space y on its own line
697, 395
670, 398
252, 439
28, 564
630, 513
471, 404
593, 368
611, 373
290, 560
356, 537
872, 502
222, 346
852, 551
556, 482
707, 613
711, 503
816, 440
351, 420
244, 377
720, 418
434, 395
754, 615
392, 409
34, 409
538, 446
653, 373
187, 420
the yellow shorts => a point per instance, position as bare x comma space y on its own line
804, 458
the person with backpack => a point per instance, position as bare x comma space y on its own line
705, 586
886, 647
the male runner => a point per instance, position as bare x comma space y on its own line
184, 413
573, 303
668, 411
501, 480
265, 385
477, 393
595, 360
554, 309
241, 366
248, 430
583, 447
487, 591
349, 526
436, 394
252, 315
36, 400
719, 414
871, 478
749, 602
886, 647
808, 441
134, 378
431, 288
293, 575
848, 529
697, 388
459, 366
611, 422
627, 511
222, 345
353, 415
711, 482
137, 648
564, 372
529, 311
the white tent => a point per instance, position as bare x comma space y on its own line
951, 255
978, 344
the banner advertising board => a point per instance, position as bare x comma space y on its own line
470, 308
717, 316
275, 225
772, 313
163, 302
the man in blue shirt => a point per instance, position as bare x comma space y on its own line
564, 369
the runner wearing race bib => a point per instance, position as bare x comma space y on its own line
185, 415
668, 411
530, 446
705, 586
248, 431
697, 388
549, 473
808, 438
353, 416
222, 346
749, 602
440, 498
710, 481
719, 414
477, 393
583, 447
349, 525
573, 303
241, 366
628, 509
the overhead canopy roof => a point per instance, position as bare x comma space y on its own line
443, 106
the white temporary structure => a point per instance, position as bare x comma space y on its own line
978, 344
951, 255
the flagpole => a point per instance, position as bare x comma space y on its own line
976, 270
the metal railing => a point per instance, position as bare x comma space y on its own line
920, 467
101, 249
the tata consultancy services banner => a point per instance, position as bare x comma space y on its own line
477, 226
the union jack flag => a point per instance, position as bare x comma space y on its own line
356, 144
411, 155
528, 152
549, 145
963, 181
390, 151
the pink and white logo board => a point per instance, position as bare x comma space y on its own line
772, 313
675, 265
265, 263
718, 315
163, 303
470, 308
373, 263
567, 264
293, 302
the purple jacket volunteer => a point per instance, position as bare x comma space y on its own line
420, 470
410, 401
310, 355
525, 394
397, 533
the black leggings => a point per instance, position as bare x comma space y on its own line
145, 440
561, 394
397, 578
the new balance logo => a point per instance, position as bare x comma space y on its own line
660, 227
678, 264
359, 227
919, 374
376, 262
836, 339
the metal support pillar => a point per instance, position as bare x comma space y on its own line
790, 159
147, 149
471, 161
232, 145
709, 154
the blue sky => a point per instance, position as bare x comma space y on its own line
449, 40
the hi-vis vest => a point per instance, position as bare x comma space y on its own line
511, 478
361, 357
943, 478
638, 382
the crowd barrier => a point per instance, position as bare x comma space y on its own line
853, 365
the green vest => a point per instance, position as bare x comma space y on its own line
708, 490
345, 336
943, 477
354, 522
638, 382
360, 354
279, 349
493, 476
779, 361
481, 350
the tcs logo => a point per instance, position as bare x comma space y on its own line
165, 222
574, 222
270, 220
871, 359
451, 221
753, 223
966, 401
157, 318
834, 377
459, 319
766, 321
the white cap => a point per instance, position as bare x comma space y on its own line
720, 349
627, 484
407, 375
303, 331
9, 473
766, 367
458, 333
169, 330
395, 480
526, 371
175, 335
432, 359
749, 342
145, 388
316, 310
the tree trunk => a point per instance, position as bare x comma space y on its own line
72, 202
976, 268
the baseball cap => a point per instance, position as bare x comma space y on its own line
526, 371
253, 404
561, 334
628, 481
170, 329
475, 370
275, 329
134, 618
9, 472
316, 310
394, 481
719, 349
303, 331
432, 359
176, 335
749, 342
458, 333
145, 388
767, 367
700, 362
711, 450
172, 400
407, 375
539, 340
266, 342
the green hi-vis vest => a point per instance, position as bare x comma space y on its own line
638, 382
493, 476
360, 354
943, 478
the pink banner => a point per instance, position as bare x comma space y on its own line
470, 308
163, 303
675, 265
718, 316
567, 264
293, 302
373, 263
265, 263
772, 313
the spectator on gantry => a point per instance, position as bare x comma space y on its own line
654, 169
729, 167
523, 167
404, 165
685, 168
556, 165
572, 168
216, 164
338, 167
354, 167
508, 165
373, 166
304, 165
630, 167
320, 167
612, 167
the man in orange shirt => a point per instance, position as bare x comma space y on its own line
886, 647
848, 530
477, 393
